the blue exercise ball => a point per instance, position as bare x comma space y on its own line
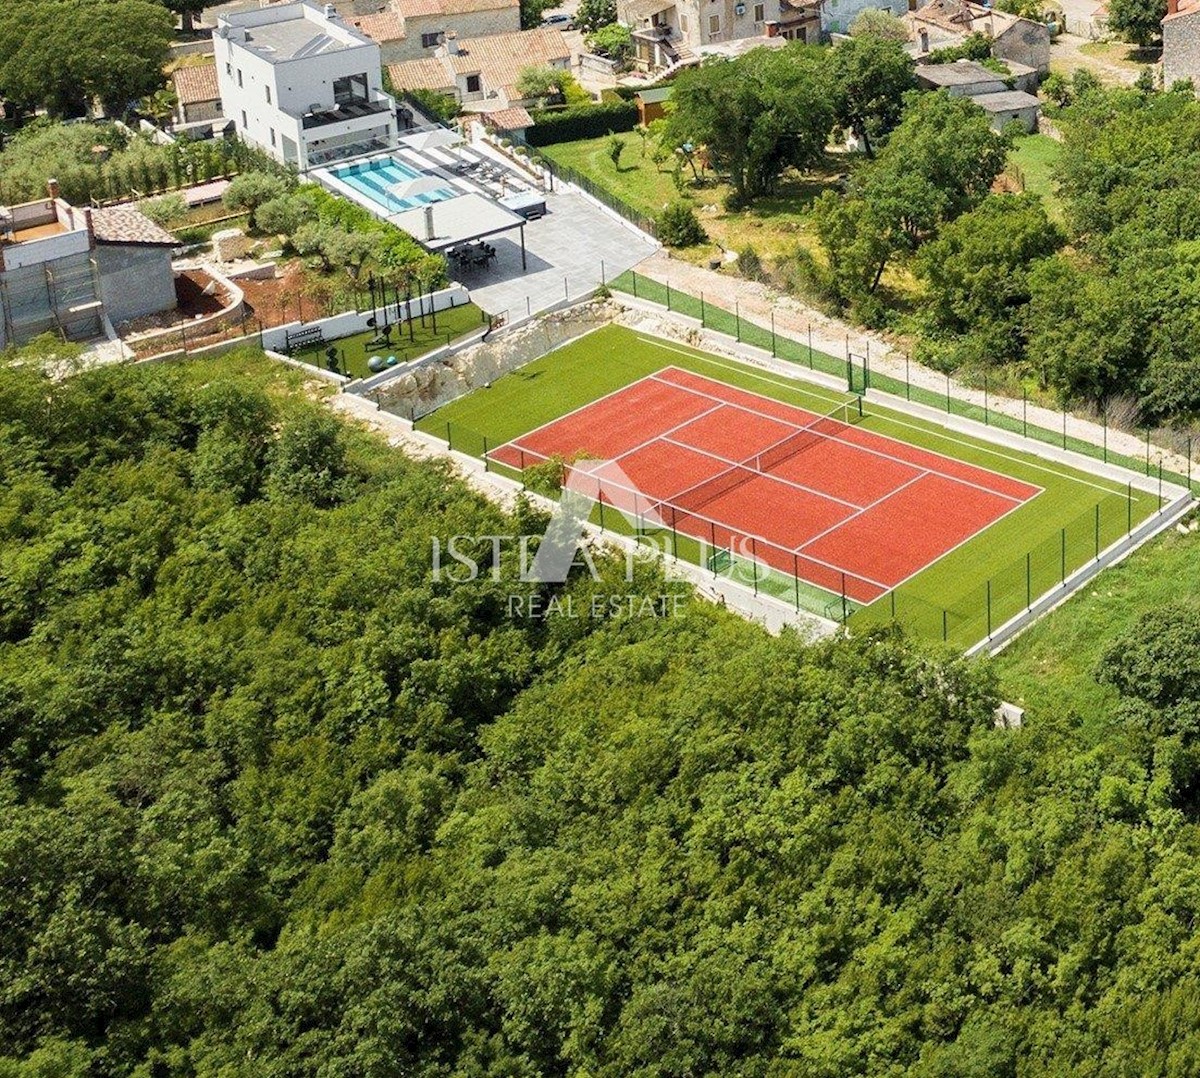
391, 361
375, 363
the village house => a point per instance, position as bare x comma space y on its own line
481, 73
197, 94
70, 271
1181, 43
945, 23
411, 29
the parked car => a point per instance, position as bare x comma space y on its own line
563, 22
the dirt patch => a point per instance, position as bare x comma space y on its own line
294, 294
197, 295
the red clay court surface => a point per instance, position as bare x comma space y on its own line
843, 508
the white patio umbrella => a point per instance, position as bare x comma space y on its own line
418, 185
431, 140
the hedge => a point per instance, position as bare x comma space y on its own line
583, 121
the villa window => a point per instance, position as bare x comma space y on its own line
272, 137
351, 88
714, 24
268, 89
473, 84
245, 122
239, 78
760, 12
430, 41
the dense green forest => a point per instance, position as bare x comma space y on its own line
276, 802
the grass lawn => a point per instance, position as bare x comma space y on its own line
1037, 156
956, 584
1053, 663
774, 225
354, 351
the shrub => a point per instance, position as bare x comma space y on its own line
252, 190
166, 210
678, 226
587, 121
750, 264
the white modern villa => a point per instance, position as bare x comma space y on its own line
303, 85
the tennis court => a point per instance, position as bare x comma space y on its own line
812, 495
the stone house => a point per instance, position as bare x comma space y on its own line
412, 29
945, 23
1181, 43
197, 94
481, 73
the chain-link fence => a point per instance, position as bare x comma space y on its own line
859, 376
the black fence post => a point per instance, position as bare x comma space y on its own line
702, 325
1097, 531
1028, 579
1128, 508
487, 466
989, 608
1024, 412
986, 422
1063, 557
773, 351
449, 439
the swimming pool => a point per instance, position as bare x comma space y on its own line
375, 180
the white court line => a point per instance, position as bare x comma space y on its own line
765, 475
796, 385
867, 449
865, 508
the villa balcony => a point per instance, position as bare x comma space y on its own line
350, 110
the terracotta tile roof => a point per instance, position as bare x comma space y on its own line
127, 224
1186, 7
196, 84
385, 26
411, 9
500, 58
513, 119
428, 73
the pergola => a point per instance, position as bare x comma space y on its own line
454, 221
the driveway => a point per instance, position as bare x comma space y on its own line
568, 253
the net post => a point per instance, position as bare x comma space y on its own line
702, 325
845, 614
674, 539
989, 607
754, 563
773, 352
1147, 450
907, 383
487, 466
1104, 430
712, 534
1063, 557
858, 405
1097, 531
1128, 507
892, 596
449, 439
1189, 453
600, 499
947, 393
668, 295
810, 351
986, 421
1160, 492
634, 272
737, 321
1024, 412
1028, 579
945, 626
796, 578
1064, 426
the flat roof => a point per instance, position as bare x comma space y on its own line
959, 73
659, 93
1009, 100
289, 32
457, 220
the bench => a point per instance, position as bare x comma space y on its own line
303, 337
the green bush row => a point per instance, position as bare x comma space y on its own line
584, 121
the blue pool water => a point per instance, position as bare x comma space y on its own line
375, 179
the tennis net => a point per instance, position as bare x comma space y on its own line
822, 427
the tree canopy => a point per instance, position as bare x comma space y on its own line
871, 75
276, 801
61, 54
1137, 21
758, 115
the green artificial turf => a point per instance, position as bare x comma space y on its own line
983, 582
407, 342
